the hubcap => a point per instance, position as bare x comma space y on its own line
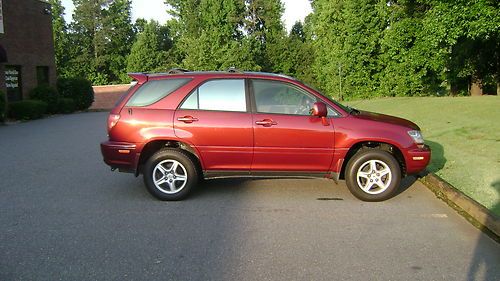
169, 176
374, 176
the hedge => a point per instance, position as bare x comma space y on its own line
27, 109
48, 95
3, 106
78, 89
66, 105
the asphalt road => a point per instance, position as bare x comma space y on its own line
65, 216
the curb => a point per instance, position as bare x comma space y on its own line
474, 212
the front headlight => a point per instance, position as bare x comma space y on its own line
416, 136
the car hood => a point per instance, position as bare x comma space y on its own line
366, 115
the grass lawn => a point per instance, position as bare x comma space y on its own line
464, 134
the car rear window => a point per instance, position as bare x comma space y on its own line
155, 90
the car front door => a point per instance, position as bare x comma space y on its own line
215, 120
286, 137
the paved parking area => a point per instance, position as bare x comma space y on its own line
65, 216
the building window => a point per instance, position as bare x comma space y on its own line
13, 82
42, 75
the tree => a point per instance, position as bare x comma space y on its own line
101, 37
88, 40
430, 46
299, 55
150, 51
360, 58
467, 35
59, 30
267, 34
406, 70
210, 34
118, 26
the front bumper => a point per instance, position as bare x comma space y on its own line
120, 155
417, 159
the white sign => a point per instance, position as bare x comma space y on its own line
1, 18
11, 79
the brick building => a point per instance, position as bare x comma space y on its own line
26, 47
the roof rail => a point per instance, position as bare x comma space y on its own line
177, 71
233, 69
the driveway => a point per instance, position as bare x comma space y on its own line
65, 216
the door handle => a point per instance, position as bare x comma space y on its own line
187, 119
266, 122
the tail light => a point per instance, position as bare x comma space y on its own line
112, 120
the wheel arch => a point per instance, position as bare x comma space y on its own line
154, 145
391, 148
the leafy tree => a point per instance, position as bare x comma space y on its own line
267, 34
150, 51
59, 30
88, 40
300, 55
360, 65
210, 34
328, 33
119, 30
101, 37
406, 68
466, 37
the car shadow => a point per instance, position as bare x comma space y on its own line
215, 187
405, 184
437, 157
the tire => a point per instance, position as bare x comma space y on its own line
373, 175
170, 174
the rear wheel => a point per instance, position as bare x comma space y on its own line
373, 175
170, 174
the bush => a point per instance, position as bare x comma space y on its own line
48, 95
27, 109
3, 106
66, 105
78, 89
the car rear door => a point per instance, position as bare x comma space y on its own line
286, 136
215, 119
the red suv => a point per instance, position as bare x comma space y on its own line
180, 127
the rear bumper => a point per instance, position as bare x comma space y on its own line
417, 159
120, 155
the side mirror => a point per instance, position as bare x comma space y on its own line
319, 109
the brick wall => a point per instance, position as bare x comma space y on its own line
27, 41
105, 97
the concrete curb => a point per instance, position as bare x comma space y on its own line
474, 212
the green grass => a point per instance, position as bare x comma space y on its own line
464, 134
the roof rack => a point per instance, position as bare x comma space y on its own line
177, 71
233, 69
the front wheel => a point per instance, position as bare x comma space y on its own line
373, 175
170, 174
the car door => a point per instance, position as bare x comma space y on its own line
216, 121
286, 136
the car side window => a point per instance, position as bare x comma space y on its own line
155, 90
281, 98
222, 95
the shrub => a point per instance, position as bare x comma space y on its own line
48, 95
3, 106
27, 109
67, 105
78, 89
